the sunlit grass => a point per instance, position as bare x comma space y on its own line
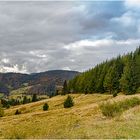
116, 108
83, 120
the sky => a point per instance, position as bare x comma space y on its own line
37, 36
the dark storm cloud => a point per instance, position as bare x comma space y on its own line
39, 36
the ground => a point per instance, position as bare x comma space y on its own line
83, 120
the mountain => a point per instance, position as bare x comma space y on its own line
121, 74
39, 82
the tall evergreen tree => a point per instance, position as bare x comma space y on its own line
25, 100
128, 79
108, 82
65, 88
137, 66
34, 98
118, 74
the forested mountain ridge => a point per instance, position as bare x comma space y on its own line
121, 74
40, 82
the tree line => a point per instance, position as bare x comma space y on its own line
6, 103
121, 74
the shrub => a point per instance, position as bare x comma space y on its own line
1, 112
86, 91
8, 106
115, 93
112, 109
68, 102
25, 100
17, 112
130, 103
5, 103
45, 107
34, 98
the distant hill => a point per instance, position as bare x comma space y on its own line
40, 83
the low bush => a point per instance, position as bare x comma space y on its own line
115, 93
112, 109
8, 106
45, 107
68, 102
17, 112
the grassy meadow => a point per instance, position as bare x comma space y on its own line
83, 120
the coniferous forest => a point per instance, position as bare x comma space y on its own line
121, 74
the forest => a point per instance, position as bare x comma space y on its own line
121, 74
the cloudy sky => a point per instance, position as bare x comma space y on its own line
71, 35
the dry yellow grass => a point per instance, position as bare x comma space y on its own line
83, 120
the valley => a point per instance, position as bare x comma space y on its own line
70, 69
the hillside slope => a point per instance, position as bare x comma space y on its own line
83, 120
45, 80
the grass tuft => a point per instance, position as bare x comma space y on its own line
116, 108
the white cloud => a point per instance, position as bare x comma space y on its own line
132, 3
86, 44
87, 53
66, 68
83, 44
5, 60
38, 53
126, 19
40, 36
14, 68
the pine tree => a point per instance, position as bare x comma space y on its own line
25, 100
57, 92
128, 79
34, 98
118, 70
17, 112
137, 66
65, 88
100, 80
68, 102
86, 90
118, 74
108, 85
45, 107
5, 103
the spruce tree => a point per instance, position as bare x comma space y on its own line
34, 98
65, 88
100, 80
118, 74
57, 92
137, 66
45, 107
25, 100
128, 79
68, 102
108, 84
17, 112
